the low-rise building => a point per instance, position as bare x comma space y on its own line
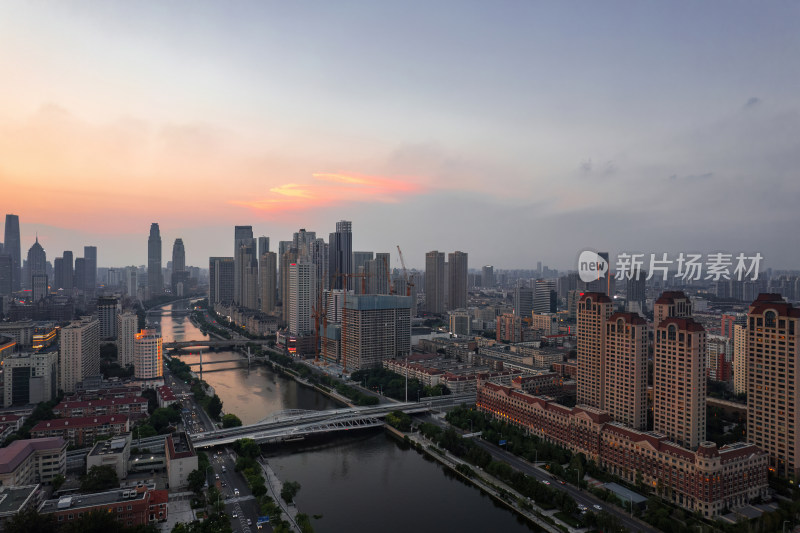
104, 406
165, 396
131, 507
115, 453
84, 430
706, 481
30, 461
181, 460
14, 500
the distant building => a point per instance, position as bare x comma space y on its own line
302, 292
80, 352
457, 280
523, 301
107, 310
434, 282
268, 277
460, 323
180, 276
11, 247
148, 359
37, 266
487, 276
508, 328
155, 280
340, 255
221, 273
739, 359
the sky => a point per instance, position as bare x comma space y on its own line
516, 131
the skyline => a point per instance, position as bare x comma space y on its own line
650, 128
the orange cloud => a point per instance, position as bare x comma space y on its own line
332, 189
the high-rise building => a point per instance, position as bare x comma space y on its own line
671, 304
39, 288
773, 382
601, 284
6, 274
626, 369
434, 282
131, 281
37, 261
545, 297
127, 323
302, 283
728, 321
523, 301
155, 280
594, 310
263, 245
11, 246
508, 328
457, 280
360, 266
245, 292
58, 273
679, 381
79, 275
79, 353
377, 271
739, 359
268, 276
318, 255
68, 272
340, 255
148, 360
108, 308
289, 257
180, 276
487, 276
90, 256
375, 328
636, 291
221, 277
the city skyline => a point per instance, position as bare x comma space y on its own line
652, 128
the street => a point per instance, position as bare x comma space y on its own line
243, 505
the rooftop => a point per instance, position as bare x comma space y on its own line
13, 499
80, 422
12, 455
111, 446
82, 501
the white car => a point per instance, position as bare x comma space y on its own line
235, 515
235, 492
598, 507
249, 522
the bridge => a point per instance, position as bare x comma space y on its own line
298, 424
214, 343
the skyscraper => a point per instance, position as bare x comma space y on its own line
108, 309
58, 273
11, 246
263, 245
434, 282
523, 301
626, 369
773, 382
375, 328
6, 274
594, 310
90, 256
180, 276
545, 296
268, 274
601, 284
739, 359
360, 261
340, 255
287, 259
377, 271
245, 281
671, 304
37, 267
487, 276
155, 280
679, 381
68, 280
220, 280
79, 352
636, 291
457, 280
79, 276
301, 298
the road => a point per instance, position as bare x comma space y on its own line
580, 496
244, 505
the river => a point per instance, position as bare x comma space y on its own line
365, 481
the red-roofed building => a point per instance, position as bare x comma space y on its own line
131, 507
165, 396
82, 431
105, 406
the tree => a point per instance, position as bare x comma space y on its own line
58, 481
196, 480
214, 406
99, 478
30, 521
231, 421
247, 448
289, 491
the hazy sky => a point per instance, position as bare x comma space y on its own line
517, 131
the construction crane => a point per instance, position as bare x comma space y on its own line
409, 279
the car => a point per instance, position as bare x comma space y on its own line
249, 522
235, 515
546, 482
216, 476
562, 481
224, 484
235, 492
223, 469
598, 507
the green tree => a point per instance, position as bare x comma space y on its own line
58, 481
99, 478
247, 448
231, 421
30, 521
196, 480
290, 490
214, 406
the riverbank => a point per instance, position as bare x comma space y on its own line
486, 483
274, 488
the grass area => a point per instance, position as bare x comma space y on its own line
569, 519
